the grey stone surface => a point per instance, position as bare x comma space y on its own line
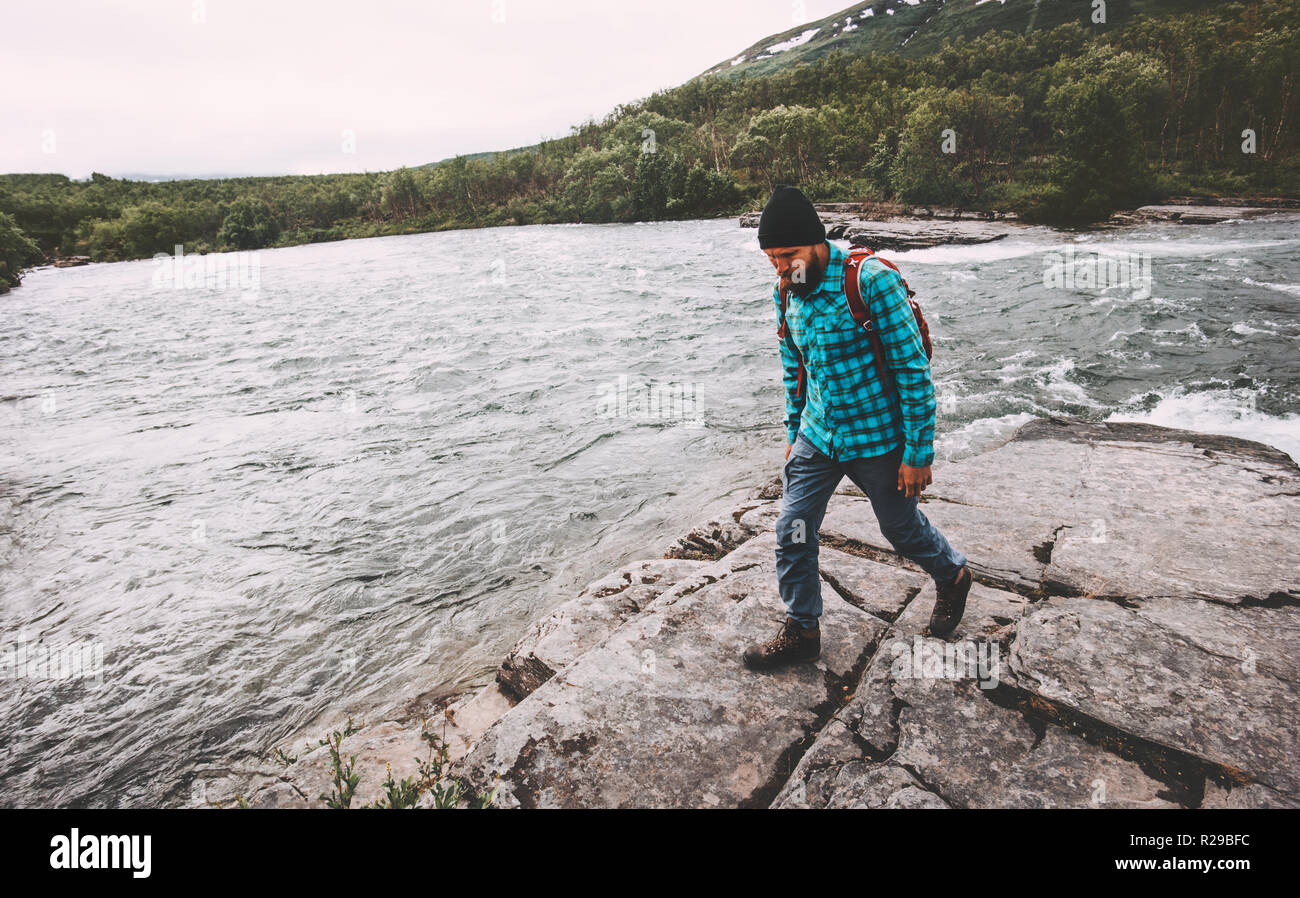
581, 623
1250, 796
1191, 214
974, 753
1168, 519
991, 615
881, 589
395, 744
901, 235
834, 775
663, 713
919, 733
1150, 673
716, 537
1115, 510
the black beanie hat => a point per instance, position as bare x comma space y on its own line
789, 219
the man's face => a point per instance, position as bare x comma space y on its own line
799, 267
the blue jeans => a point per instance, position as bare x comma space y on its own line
809, 479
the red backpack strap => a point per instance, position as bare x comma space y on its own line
858, 308
922, 325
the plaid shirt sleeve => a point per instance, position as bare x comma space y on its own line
790, 375
886, 300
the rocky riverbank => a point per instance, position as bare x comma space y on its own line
885, 226
1129, 642
889, 227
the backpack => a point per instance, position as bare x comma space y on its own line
858, 254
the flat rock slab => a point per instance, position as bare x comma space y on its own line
1243, 797
956, 748
879, 589
976, 754
835, 775
716, 537
663, 713
990, 618
1217, 682
1170, 519
902, 235
581, 623
1191, 214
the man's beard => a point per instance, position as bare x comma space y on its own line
813, 278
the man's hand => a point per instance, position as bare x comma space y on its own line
787, 450
912, 480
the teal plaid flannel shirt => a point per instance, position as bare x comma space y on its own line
845, 411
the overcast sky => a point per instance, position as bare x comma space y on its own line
168, 87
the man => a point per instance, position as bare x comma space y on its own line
840, 419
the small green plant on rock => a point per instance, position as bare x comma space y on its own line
283, 758
345, 775
433, 778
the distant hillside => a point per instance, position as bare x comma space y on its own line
913, 28
1061, 126
916, 28
485, 156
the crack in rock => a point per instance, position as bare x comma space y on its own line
1182, 773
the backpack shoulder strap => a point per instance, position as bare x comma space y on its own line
858, 308
853, 285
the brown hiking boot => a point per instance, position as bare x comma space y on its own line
950, 605
793, 643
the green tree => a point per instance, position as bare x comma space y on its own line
104, 239
152, 227
658, 185
954, 144
594, 186
249, 224
401, 196
1098, 165
879, 169
17, 251
785, 143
